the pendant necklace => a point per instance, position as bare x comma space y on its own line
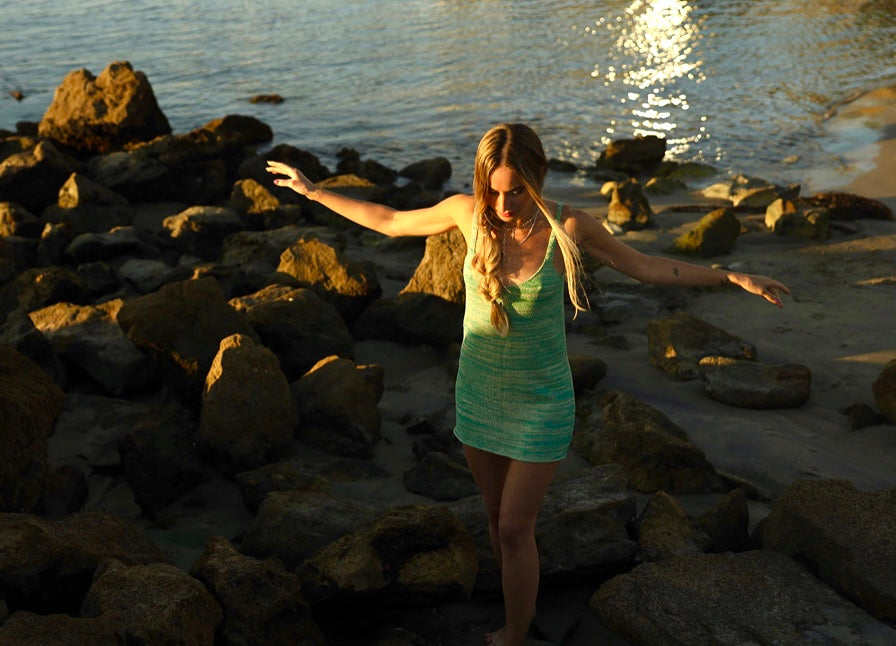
530, 224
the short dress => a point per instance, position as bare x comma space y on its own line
514, 394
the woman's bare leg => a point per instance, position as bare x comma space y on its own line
522, 486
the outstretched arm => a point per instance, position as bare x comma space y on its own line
598, 242
445, 215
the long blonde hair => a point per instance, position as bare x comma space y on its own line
516, 146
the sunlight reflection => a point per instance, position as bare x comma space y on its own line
655, 44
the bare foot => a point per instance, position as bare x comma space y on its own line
496, 638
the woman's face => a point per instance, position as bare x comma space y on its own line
508, 197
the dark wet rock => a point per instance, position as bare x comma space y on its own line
635, 155
157, 603
19, 332
859, 416
31, 403
439, 477
16, 220
664, 530
248, 414
654, 452
727, 523
180, 328
201, 230
99, 113
757, 597
845, 536
431, 173
338, 405
262, 603
678, 342
49, 564
297, 325
292, 525
884, 389
32, 178
89, 337
714, 235
785, 217
848, 206
89, 207
42, 286
751, 384
412, 554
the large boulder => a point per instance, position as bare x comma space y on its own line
33, 177
751, 384
714, 235
158, 603
262, 602
412, 554
200, 230
654, 452
678, 342
39, 287
89, 207
180, 328
50, 564
88, 336
848, 206
338, 404
629, 209
96, 114
297, 325
846, 536
664, 530
248, 413
635, 155
30, 403
758, 597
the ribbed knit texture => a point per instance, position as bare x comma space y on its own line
514, 394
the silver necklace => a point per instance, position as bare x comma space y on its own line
530, 223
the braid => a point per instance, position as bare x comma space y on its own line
487, 262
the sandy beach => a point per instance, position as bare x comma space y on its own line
836, 322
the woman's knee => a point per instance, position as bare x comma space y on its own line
515, 532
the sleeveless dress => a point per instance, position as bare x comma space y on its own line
514, 394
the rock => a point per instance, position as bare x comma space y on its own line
40, 287
413, 554
160, 459
297, 325
757, 597
654, 453
89, 337
261, 601
884, 390
629, 208
440, 478
292, 525
348, 285
180, 328
684, 171
248, 413
727, 523
16, 220
49, 564
31, 404
664, 530
350, 163
431, 173
715, 234
847, 206
750, 192
30, 629
338, 404
750, 384
254, 167
784, 218
93, 247
198, 168
201, 229
19, 332
845, 536
862, 415
587, 372
634, 155
157, 603
440, 271
678, 342
664, 185
253, 202
32, 178
54, 239
98, 114
147, 275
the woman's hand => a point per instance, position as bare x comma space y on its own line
768, 288
294, 178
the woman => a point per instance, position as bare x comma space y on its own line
514, 392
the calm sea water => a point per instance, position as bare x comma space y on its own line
738, 83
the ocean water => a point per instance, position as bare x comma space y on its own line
741, 84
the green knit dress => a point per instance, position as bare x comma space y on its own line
514, 393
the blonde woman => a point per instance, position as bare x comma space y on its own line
514, 394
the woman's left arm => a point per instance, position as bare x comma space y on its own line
593, 238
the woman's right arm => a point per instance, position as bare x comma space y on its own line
445, 215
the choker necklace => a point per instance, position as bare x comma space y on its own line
530, 224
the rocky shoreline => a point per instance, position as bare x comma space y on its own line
226, 413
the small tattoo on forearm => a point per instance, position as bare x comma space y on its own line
675, 271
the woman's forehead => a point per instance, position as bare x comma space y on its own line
503, 179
